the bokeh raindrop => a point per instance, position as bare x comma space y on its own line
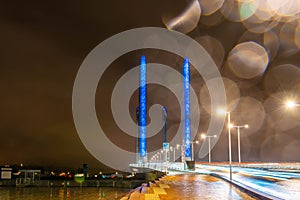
187, 20
248, 60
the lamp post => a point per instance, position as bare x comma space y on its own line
229, 140
239, 138
209, 137
192, 143
174, 153
180, 147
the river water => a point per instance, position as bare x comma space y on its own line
60, 193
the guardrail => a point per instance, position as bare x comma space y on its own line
160, 166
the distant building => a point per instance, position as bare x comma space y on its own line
6, 173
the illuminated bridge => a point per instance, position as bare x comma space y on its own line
263, 180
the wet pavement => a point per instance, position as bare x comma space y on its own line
273, 184
189, 187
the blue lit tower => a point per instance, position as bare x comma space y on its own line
137, 112
143, 108
186, 109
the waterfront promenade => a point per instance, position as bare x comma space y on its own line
189, 187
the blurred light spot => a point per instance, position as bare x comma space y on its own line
239, 10
264, 11
213, 47
213, 19
232, 95
282, 78
187, 20
256, 25
248, 60
263, 19
268, 39
209, 7
279, 117
247, 9
285, 8
249, 111
230, 10
287, 35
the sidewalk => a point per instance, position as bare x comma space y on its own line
188, 187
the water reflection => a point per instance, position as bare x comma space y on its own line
192, 187
71, 193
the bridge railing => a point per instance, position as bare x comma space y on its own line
160, 166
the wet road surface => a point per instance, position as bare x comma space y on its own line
190, 187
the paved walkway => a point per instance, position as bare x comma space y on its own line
188, 187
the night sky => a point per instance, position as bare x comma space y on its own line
43, 44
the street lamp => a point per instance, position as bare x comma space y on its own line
291, 104
174, 155
203, 136
224, 112
192, 143
180, 147
239, 138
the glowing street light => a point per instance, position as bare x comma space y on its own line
224, 112
239, 138
291, 104
196, 142
203, 136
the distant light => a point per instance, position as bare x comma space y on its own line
246, 126
221, 111
203, 136
62, 174
290, 104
